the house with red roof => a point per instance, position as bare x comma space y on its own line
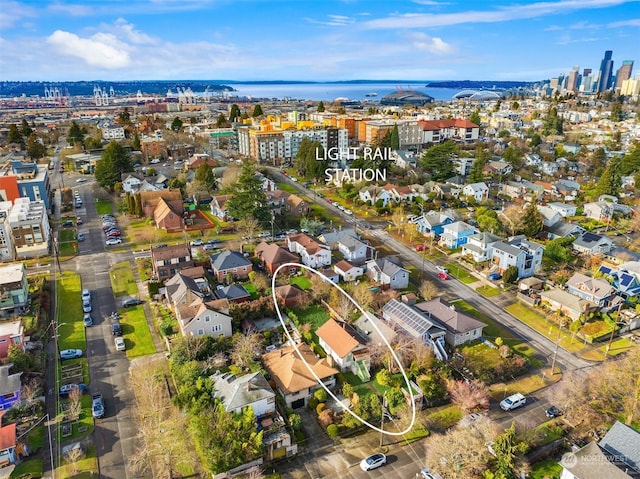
11, 450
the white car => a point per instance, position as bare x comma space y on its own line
349, 212
119, 341
373, 461
81, 180
155, 161
86, 295
442, 269
112, 241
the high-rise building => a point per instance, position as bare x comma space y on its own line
572, 79
624, 73
605, 73
586, 72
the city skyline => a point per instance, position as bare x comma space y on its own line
251, 40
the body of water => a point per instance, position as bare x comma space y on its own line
330, 91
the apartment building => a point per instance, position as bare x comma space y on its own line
30, 228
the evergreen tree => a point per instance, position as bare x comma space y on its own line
611, 179
616, 111
395, 138
129, 202
26, 129
124, 118
321, 107
476, 172
437, 160
553, 124
176, 124
630, 163
221, 122
510, 275
514, 156
135, 142
306, 163
234, 113
15, 135
475, 117
137, 202
248, 199
532, 222
508, 451
76, 134
114, 162
35, 148
257, 111
204, 174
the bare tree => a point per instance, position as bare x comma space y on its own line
460, 453
320, 289
248, 227
75, 405
513, 219
72, 457
229, 177
246, 348
398, 220
30, 392
254, 473
362, 295
428, 290
468, 395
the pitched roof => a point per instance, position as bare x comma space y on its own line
343, 265
177, 251
239, 392
7, 434
598, 287
289, 371
340, 337
592, 462
233, 291
414, 322
446, 314
9, 383
622, 441
275, 254
289, 291
365, 324
228, 260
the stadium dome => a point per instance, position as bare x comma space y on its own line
406, 97
483, 95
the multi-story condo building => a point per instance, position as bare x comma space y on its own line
520, 252
30, 228
6, 238
29, 179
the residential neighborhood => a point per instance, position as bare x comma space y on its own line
185, 294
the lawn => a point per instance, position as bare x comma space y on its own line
460, 273
104, 207
481, 355
495, 330
619, 346
488, 291
316, 315
301, 281
67, 243
445, 418
87, 467
135, 329
71, 333
287, 187
123, 281
525, 385
252, 290
545, 327
547, 469
31, 468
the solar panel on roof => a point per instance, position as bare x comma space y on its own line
625, 279
605, 270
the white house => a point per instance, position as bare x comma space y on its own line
479, 191
131, 184
200, 318
387, 273
520, 252
599, 210
479, 246
312, 253
353, 249
239, 392
348, 271
564, 209
345, 347
372, 194
549, 215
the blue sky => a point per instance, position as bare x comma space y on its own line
319, 40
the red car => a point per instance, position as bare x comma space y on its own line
443, 276
112, 234
420, 247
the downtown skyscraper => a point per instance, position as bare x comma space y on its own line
605, 73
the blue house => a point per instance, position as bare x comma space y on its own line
625, 283
9, 387
33, 182
456, 234
432, 223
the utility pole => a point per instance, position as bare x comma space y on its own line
383, 410
613, 331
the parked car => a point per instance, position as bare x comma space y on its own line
443, 276
116, 328
155, 161
112, 241
552, 412
113, 233
81, 237
86, 306
373, 461
213, 241
162, 245
495, 276
512, 402
442, 269
119, 342
420, 247
67, 224
197, 242
210, 247
79, 221
67, 388
81, 180
86, 295
127, 303
70, 353
97, 405
87, 320
426, 473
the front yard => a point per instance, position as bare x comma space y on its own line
135, 329
123, 280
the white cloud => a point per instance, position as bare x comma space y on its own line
101, 50
122, 28
333, 21
634, 22
436, 45
423, 20
11, 13
73, 9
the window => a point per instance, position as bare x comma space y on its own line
200, 332
216, 328
207, 318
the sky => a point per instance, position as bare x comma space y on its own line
317, 40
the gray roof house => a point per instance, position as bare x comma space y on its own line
562, 229
416, 324
230, 262
387, 273
520, 252
354, 250
234, 293
460, 327
479, 246
252, 389
616, 456
182, 290
591, 243
333, 237
596, 290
